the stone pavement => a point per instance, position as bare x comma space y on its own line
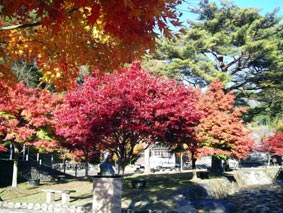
259, 199
250, 199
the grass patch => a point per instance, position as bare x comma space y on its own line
158, 191
156, 195
24, 193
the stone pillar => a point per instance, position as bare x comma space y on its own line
65, 198
147, 160
107, 194
50, 197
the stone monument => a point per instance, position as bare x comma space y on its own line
107, 189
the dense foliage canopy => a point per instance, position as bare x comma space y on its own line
221, 130
239, 46
119, 111
55, 40
26, 118
59, 36
273, 144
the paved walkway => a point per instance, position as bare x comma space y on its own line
259, 199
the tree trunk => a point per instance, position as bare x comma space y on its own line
226, 167
123, 170
194, 163
118, 167
121, 166
194, 170
86, 153
269, 159
86, 168
216, 166
181, 161
122, 162
15, 167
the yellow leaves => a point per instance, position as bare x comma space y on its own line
138, 149
20, 52
52, 76
185, 146
58, 75
48, 77
97, 30
87, 28
99, 34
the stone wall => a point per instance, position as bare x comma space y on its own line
219, 188
27, 170
207, 195
10, 207
232, 182
255, 176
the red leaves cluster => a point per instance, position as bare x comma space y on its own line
221, 130
125, 19
23, 111
118, 111
273, 144
102, 34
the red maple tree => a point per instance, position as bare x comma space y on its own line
221, 130
119, 111
273, 144
26, 118
59, 36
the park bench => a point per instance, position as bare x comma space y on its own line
65, 195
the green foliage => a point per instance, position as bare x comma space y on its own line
28, 73
279, 126
43, 134
221, 157
239, 46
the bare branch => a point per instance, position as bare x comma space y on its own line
19, 26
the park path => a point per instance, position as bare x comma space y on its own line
259, 199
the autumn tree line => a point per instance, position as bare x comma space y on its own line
69, 77
123, 110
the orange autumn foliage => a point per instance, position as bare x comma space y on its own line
221, 130
59, 36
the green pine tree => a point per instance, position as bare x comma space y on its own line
239, 46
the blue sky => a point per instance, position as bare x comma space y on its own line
265, 6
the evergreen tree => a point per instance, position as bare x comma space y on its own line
239, 46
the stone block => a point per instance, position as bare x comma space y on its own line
24, 205
30, 206
107, 194
17, 205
